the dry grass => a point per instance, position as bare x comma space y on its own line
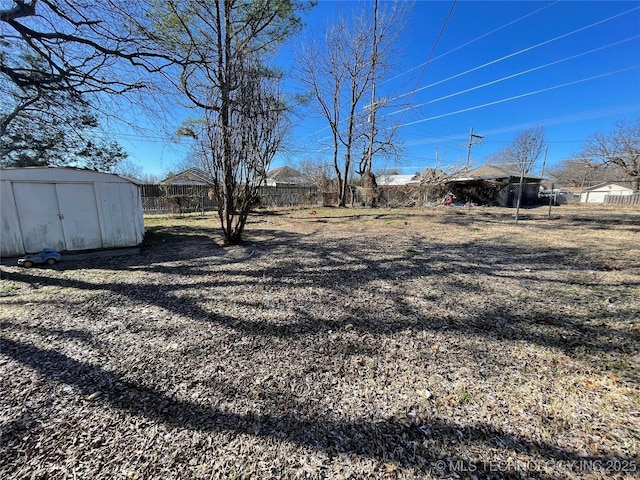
333, 344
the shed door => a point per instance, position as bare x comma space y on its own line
79, 213
37, 207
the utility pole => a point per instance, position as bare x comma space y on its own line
372, 122
544, 161
369, 180
519, 193
470, 144
373, 105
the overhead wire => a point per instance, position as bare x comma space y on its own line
433, 49
515, 97
446, 21
511, 55
492, 62
508, 77
508, 24
535, 92
558, 120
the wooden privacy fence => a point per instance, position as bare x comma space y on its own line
633, 199
180, 199
289, 195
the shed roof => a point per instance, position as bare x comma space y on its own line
606, 186
59, 174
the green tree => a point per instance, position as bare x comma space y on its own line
47, 138
41, 127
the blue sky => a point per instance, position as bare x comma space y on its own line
499, 67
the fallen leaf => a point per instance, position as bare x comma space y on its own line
94, 396
390, 467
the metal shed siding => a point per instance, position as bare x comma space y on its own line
10, 235
121, 214
67, 209
597, 194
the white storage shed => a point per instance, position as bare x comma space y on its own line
598, 193
67, 209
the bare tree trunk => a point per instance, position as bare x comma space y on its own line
338, 75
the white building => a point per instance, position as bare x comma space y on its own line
397, 180
67, 209
597, 193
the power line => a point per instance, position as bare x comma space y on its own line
444, 25
511, 55
456, 48
499, 60
508, 77
515, 97
428, 140
508, 24
433, 49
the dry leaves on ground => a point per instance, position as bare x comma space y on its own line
346, 344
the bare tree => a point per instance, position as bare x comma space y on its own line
238, 154
318, 170
339, 69
523, 151
583, 172
223, 46
377, 140
84, 45
619, 148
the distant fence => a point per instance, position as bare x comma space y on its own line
157, 199
633, 199
289, 196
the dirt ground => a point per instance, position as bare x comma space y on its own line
334, 343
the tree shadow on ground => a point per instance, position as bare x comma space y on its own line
294, 262
393, 440
337, 266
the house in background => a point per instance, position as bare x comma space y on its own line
598, 193
397, 180
67, 209
190, 176
286, 177
495, 185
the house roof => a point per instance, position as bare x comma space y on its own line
190, 176
574, 190
288, 176
283, 173
490, 172
432, 175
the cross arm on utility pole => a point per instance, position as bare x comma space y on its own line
471, 143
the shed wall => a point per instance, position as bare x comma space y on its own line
67, 210
599, 196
